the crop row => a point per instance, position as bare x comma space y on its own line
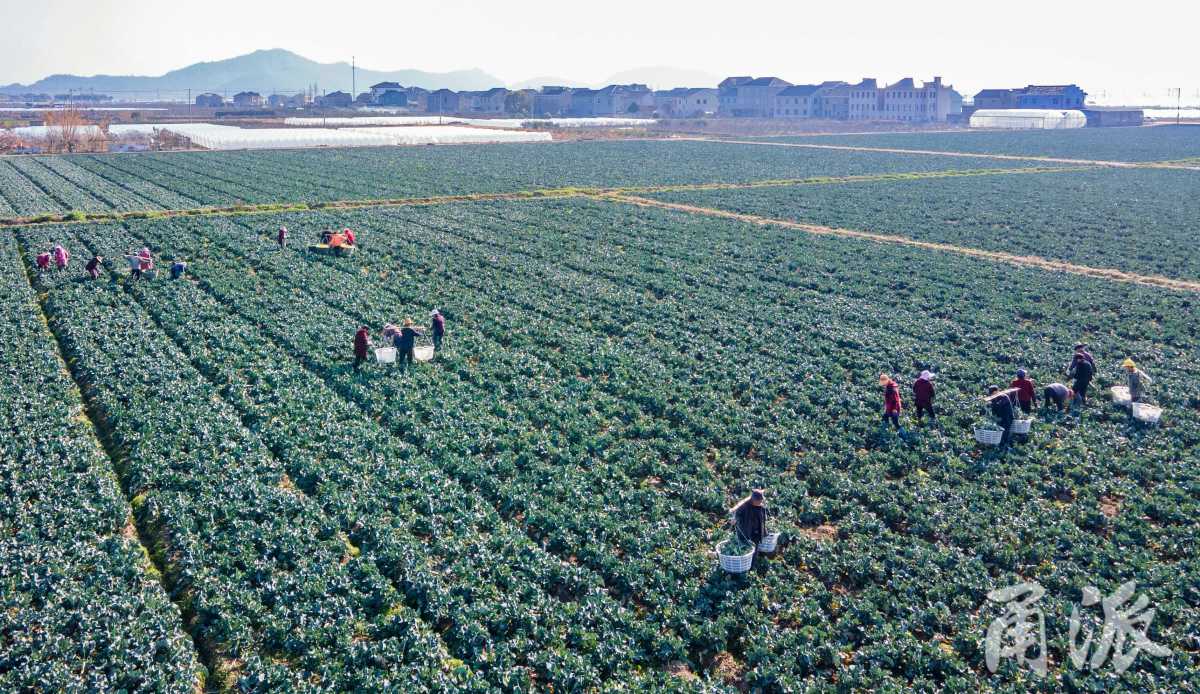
273, 593
823, 469
1108, 144
81, 607
1141, 467
92, 183
507, 607
1137, 221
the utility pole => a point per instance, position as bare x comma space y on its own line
1178, 103
353, 79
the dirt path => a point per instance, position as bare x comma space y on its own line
1031, 261
945, 153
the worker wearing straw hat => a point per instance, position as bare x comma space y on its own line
406, 342
891, 402
1136, 379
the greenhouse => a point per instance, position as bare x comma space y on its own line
211, 136
1027, 119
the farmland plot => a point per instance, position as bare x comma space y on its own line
1159, 143
273, 594
184, 180
1141, 221
618, 375
81, 607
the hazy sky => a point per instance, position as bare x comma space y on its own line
1101, 45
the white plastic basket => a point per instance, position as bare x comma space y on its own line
733, 563
1022, 426
1146, 413
989, 436
1120, 396
386, 355
423, 353
768, 543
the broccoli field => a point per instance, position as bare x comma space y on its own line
202, 494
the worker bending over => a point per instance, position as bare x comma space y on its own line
362, 344
61, 257
1001, 403
750, 518
1058, 394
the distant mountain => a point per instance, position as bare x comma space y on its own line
263, 71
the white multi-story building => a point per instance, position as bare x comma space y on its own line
932, 102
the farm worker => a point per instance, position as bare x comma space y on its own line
93, 266
325, 236
1136, 379
177, 269
362, 343
1081, 354
1002, 409
349, 236
145, 260
337, 240
281, 238
406, 341
389, 331
923, 395
61, 257
437, 328
891, 401
1026, 395
1058, 394
43, 261
750, 517
1083, 367
135, 266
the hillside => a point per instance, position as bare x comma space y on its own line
264, 71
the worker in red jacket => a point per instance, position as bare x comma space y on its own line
1026, 395
923, 395
281, 238
351, 239
362, 343
43, 261
891, 401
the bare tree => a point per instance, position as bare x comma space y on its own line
64, 130
9, 141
